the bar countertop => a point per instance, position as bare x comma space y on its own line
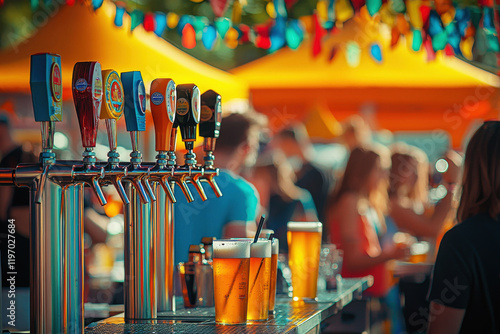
290, 317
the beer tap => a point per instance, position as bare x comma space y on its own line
46, 68
179, 176
135, 120
139, 241
87, 96
163, 100
187, 119
210, 119
111, 111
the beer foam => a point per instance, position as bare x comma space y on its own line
231, 249
265, 233
305, 226
261, 248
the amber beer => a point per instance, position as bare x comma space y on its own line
304, 247
274, 274
260, 273
231, 263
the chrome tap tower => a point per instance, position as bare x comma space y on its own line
146, 189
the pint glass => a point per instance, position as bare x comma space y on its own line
260, 271
304, 247
231, 263
274, 274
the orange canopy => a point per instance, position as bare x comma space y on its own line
77, 33
406, 92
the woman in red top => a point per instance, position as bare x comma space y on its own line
355, 219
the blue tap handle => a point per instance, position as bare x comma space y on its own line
46, 87
135, 101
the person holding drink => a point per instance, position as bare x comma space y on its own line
231, 263
304, 247
356, 218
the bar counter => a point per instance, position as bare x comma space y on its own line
290, 317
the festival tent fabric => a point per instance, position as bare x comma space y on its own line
405, 91
77, 33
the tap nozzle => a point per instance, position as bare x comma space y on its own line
87, 96
210, 121
135, 120
46, 95
111, 111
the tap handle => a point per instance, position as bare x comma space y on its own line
94, 184
46, 87
211, 114
188, 113
185, 190
87, 96
113, 103
41, 184
215, 187
121, 190
210, 119
151, 194
168, 190
163, 101
199, 188
135, 101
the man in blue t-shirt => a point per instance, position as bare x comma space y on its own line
233, 214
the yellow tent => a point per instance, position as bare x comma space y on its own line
405, 91
77, 33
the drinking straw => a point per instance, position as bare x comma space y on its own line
259, 228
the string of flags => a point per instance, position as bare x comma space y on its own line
437, 26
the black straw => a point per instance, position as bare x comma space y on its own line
259, 228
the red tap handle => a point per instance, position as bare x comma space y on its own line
87, 96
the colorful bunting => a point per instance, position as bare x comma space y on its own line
443, 27
294, 34
222, 24
319, 32
161, 23
353, 54
236, 14
96, 4
376, 52
136, 18
172, 20
188, 36
373, 6
343, 10
417, 40
209, 37
149, 22
244, 33
119, 16
219, 7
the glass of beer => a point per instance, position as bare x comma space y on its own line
260, 273
231, 263
304, 248
266, 233
274, 274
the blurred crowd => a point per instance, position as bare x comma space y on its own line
374, 203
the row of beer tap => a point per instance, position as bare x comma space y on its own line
146, 188
172, 107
